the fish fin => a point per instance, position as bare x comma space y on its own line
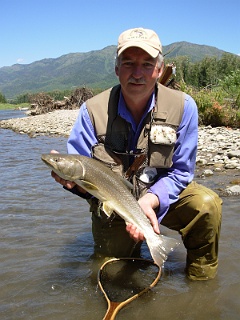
87, 185
160, 247
107, 209
91, 188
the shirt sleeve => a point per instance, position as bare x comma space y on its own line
81, 140
82, 136
175, 179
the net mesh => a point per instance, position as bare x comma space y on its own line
121, 279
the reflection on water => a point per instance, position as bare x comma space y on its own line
47, 270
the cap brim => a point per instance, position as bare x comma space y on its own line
150, 50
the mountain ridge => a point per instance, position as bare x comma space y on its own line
93, 69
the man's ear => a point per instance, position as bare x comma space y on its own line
116, 70
160, 71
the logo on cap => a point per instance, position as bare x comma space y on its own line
137, 34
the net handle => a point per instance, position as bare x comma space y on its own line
114, 307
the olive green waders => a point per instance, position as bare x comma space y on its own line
196, 216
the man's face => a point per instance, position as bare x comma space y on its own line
137, 72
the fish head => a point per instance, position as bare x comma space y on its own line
66, 166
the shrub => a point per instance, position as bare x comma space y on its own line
215, 108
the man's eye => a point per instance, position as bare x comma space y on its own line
148, 65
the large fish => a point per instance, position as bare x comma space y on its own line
100, 181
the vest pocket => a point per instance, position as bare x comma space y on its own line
160, 155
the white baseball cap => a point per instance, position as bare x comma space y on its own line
145, 39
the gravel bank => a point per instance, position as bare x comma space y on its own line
218, 148
59, 122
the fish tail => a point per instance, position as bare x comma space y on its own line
160, 247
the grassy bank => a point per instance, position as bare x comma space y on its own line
8, 106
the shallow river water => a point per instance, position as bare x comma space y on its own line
47, 269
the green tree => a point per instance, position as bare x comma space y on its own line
206, 72
182, 67
23, 98
231, 85
2, 98
228, 63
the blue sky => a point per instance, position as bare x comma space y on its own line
32, 30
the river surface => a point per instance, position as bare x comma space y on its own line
47, 269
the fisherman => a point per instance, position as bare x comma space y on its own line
148, 134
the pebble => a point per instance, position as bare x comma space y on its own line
233, 190
219, 147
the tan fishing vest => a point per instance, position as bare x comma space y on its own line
156, 141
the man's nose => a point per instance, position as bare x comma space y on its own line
137, 71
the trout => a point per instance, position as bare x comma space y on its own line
113, 191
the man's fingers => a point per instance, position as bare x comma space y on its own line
54, 151
154, 222
65, 183
134, 233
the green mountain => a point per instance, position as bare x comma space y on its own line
195, 52
94, 69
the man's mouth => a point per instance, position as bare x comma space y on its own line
136, 82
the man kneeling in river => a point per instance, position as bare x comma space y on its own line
140, 119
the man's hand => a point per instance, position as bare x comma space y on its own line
148, 203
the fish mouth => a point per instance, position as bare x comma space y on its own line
45, 160
43, 157
48, 161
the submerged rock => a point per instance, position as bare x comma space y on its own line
233, 190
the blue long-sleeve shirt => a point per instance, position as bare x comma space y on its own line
172, 181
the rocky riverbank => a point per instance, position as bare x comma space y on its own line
58, 122
218, 148
218, 156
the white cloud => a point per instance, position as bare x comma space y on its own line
20, 60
